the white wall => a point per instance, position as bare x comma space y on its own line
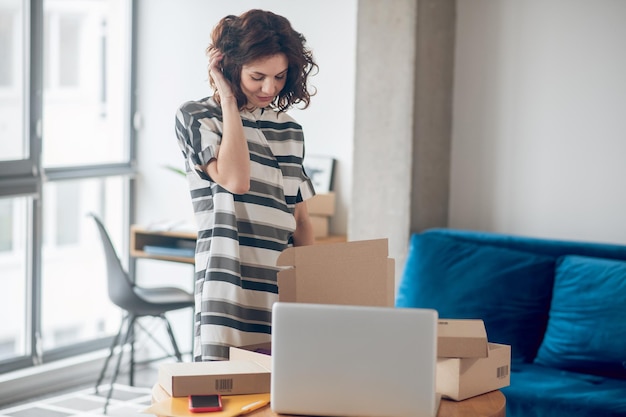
539, 130
172, 38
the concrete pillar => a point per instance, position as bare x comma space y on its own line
401, 139
434, 75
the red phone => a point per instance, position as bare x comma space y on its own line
205, 403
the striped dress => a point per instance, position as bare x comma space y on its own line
240, 235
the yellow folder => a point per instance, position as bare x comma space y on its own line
233, 405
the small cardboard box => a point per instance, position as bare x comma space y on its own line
461, 338
348, 273
321, 225
321, 204
462, 378
180, 379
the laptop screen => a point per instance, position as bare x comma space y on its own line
331, 360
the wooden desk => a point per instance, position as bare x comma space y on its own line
491, 404
140, 238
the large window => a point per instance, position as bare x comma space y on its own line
65, 151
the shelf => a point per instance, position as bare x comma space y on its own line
167, 245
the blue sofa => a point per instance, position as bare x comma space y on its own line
561, 305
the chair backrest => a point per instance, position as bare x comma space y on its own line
119, 285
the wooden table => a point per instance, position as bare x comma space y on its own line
491, 404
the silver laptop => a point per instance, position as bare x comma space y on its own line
332, 360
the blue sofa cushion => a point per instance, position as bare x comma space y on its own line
587, 323
537, 391
509, 289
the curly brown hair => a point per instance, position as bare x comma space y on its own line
260, 34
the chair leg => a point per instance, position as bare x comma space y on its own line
172, 338
129, 331
131, 373
111, 352
151, 336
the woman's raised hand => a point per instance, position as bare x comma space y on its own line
216, 74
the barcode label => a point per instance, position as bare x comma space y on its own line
224, 384
503, 371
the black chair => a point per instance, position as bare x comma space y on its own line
136, 302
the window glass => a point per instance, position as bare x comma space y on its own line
13, 143
85, 82
75, 303
14, 249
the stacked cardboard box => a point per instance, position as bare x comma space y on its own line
243, 380
321, 208
467, 364
247, 372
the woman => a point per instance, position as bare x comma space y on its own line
243, 157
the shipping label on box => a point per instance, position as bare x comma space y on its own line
462, 378
348, 273
461, 338
180, 379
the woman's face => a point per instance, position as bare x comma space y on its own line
263, 79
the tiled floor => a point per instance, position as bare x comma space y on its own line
126, 401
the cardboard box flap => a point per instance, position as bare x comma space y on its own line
360, 250
259, 353
461, 338
210, 368
349, 273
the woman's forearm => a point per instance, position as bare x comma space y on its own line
231, 167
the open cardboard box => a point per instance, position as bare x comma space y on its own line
461, 338
348, 273
462, 378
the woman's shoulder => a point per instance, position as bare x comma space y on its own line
206, 107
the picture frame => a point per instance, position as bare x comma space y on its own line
320, 170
